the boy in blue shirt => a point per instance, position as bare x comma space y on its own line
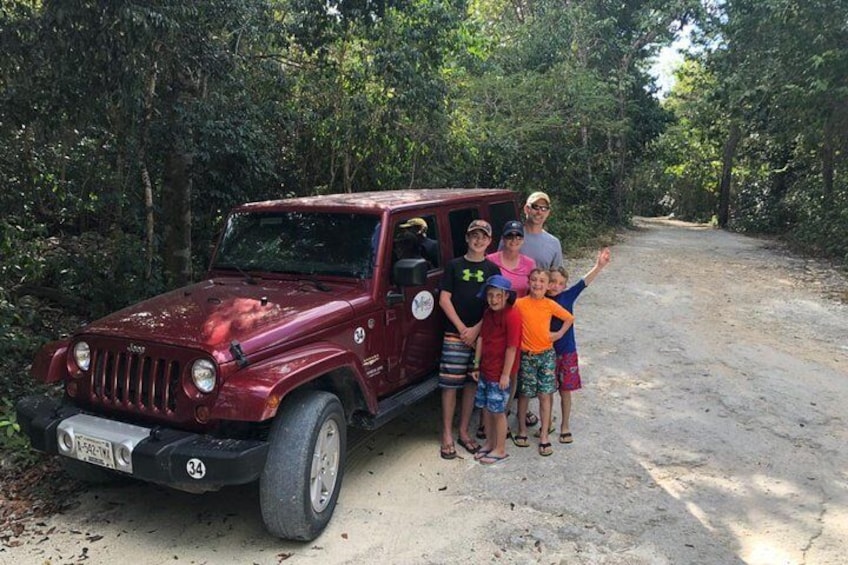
567, 364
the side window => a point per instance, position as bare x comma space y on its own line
459, 220
501, 213
417, 237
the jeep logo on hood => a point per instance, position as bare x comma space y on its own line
137, 349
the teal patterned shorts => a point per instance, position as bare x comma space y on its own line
537, 373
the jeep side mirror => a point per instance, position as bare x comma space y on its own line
410, 272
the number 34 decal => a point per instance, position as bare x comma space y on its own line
196, 469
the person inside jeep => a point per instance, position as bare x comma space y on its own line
429, 247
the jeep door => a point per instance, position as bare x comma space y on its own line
414, 326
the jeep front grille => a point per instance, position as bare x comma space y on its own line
140, 382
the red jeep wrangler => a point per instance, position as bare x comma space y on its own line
317, 313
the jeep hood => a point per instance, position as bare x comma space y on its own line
211, 314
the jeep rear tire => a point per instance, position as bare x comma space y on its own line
302, 477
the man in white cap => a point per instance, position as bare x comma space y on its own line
543, 247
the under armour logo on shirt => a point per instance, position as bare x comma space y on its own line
467, 275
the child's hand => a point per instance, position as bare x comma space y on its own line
469, 335
504, 382
555, 336
604, 257
475, 374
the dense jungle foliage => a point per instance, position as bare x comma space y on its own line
129, 127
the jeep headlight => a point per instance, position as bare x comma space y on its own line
203, 375
82, 355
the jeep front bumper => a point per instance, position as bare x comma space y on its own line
179, 459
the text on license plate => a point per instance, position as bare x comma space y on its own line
93, 450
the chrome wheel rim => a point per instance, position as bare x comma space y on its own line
325, 466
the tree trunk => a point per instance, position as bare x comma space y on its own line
148, 219
176, 196
146, 183
827, 159
728, 154
619, 159
587, 153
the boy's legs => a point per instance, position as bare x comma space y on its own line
499, 427
545, 404
465, 412
546, 374
528, 387
523, 402
480, 402
488, 423
453, 374
565, 404
448, 409
568, 379
494, 408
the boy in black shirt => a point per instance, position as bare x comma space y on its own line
462, 280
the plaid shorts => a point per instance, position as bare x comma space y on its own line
536, 373
455, 365
568, 372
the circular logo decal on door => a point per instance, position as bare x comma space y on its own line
359, 335
423, 305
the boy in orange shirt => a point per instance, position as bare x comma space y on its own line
536, 374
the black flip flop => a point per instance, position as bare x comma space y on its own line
448, 452
469, 446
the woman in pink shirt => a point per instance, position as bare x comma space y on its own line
514, 266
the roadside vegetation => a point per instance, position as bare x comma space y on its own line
128, 129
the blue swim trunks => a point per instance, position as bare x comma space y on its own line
491, 397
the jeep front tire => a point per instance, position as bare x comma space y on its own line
302, 477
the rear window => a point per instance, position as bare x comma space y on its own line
459, 220
501, 213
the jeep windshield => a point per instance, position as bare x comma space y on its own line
299, 243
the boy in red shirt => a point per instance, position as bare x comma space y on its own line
495, 364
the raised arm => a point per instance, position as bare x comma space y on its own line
601, 262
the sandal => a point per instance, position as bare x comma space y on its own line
552, 429
492, 459
545, 449
470, 446
538, 433
520, 441
448, 452
566, 437
482, 453
531, 419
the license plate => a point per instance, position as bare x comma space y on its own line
93, 450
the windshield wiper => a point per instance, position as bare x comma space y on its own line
248, 278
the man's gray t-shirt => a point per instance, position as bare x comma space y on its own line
543, 248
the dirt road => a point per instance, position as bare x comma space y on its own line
711, 429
